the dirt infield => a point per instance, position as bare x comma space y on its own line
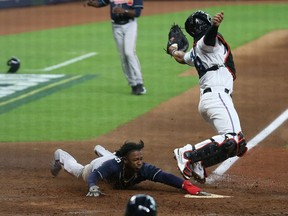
257, 182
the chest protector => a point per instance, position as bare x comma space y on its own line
228, 61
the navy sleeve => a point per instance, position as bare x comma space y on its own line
138, 6
93, 178
137, 12
169, 179
155, 174
148, 171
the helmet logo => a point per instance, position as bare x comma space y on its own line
144, 208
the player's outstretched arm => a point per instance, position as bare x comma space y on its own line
177, 182
178, 55
218, 18
210, 36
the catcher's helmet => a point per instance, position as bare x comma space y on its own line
197, 24
141, 205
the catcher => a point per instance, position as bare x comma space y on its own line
213, 60
122, 169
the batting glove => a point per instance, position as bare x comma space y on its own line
190, 188
94, 191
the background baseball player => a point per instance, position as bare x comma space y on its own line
124, 14
123, 169
214, 63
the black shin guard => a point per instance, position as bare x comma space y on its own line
214, 153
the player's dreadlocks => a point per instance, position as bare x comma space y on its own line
129, 146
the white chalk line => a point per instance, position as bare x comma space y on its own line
221, 169
70, 61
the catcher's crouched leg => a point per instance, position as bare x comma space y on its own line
214, 152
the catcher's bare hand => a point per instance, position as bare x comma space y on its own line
218, 18
94, 191
173, 48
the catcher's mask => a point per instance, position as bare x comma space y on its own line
141, 205
197, 24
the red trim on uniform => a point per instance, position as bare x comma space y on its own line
228, 53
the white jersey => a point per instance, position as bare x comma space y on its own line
207, 57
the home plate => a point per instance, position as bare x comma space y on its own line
205, 195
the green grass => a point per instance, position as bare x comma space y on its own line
95, 107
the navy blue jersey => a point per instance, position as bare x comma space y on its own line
112, 172
125, 4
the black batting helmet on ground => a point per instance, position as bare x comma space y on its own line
141, 205
14, 65
197, 24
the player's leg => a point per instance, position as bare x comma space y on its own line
131, 56
64, 160
220, 112
119, 35
101, 151
192, 160
217, 149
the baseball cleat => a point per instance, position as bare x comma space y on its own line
134, 90
141, 90
182, 162
55, 167
198, 172
187, 168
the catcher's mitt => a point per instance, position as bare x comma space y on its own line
176, 36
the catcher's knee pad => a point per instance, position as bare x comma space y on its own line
214, 152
